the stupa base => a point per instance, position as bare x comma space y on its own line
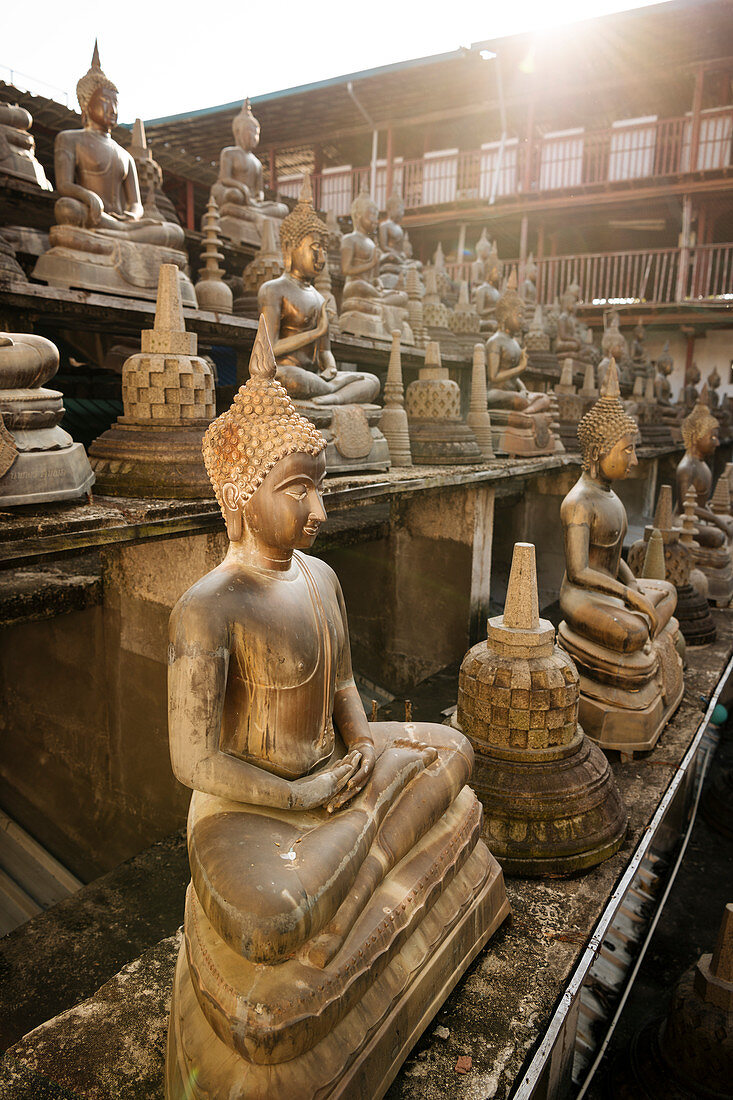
693, 615
136, 460
442, 442
359, 1058
353, 439
551, 811
39, 476
627, 712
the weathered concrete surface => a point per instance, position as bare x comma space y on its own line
43, 591
496, 1015
62, 956
112, 1045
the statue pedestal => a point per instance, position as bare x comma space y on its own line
39, 476
109, 264
151, 460
626, 699
353, 439
715, 563
516, 434
343, 1031
240, 230
356, 323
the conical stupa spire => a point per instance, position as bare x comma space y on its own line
654, 568
139, 140
521, 610
262, 363
689, 524
589, 381
306, 190
566, 375
610, 387
432, 354
720, 500
478, 418
663, 514
168, 307
268, 240
96, 64
511, 283
394, 425
704, 396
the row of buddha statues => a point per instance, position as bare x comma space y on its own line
345, 871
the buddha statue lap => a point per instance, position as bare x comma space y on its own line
620, 631
339, 884
339, 402
367, 307
714, 531
18, 148
520, 420
102, 239
238, 190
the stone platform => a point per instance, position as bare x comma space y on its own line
112, 1044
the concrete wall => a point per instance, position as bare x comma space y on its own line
713, 349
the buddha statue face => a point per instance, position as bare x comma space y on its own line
364, 214
308, 258
692, 375
615, 464
707, 441
286, 512
395, 208
246, 131
101, 111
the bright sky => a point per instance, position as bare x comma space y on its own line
167, 58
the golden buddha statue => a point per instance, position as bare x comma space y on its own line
339, 886
520, 419
102, 239
238, 189
297, 322
367, 308
714, 530
619, 630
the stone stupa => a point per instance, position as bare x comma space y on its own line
438, 434
551, 805
154, 448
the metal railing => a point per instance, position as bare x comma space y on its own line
656, 275
629, 151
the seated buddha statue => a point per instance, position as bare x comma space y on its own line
102, 239
393, 244
714, 530
614, 346
479, 267
296, 314
620, 631
528, 291
662, 388
520, 419
569, 342
238, 189
690, 396
486, 294
367, 307
335, 862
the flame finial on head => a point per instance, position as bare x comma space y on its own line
92, 81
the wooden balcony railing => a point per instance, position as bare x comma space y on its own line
631, 150
653, 276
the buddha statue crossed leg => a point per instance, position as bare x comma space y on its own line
339, 886
619, 630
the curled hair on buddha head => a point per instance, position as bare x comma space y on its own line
91, 82
301, 221
699, 422
606, 422
509, 300
261, 427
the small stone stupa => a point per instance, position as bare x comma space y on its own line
211, 290
551, 806
154, 449
394, 418
39, 461
478, 418
149, 172
415, 313
693, 611
438, 434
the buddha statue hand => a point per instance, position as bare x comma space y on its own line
85, 211
358, 781
637, 601
319, 789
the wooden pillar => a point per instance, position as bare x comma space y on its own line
483, 535
528, 149
696, 109
523, 230
684, 248
390, 166
190, 210
690, 350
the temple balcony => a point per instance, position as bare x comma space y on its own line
631, 154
